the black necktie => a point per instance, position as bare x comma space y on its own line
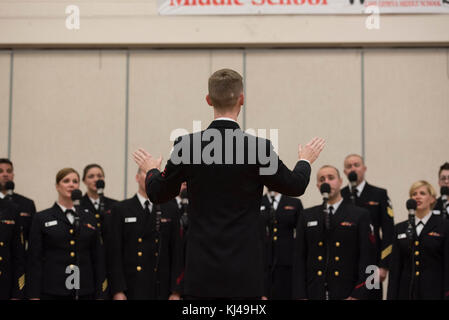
70, 214
147, 207
331, 216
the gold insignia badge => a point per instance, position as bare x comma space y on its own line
22, 282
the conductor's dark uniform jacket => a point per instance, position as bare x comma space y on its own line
12, 254
225, 177
56, 248
420, 267
140, 258
339, 258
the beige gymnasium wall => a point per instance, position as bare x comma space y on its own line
5, 63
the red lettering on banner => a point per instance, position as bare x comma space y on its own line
205, 3
215, 3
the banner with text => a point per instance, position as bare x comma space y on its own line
254, 7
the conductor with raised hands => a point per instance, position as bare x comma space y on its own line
226, 170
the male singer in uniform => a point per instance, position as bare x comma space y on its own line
224, 255
443, 181
26, 206
377, 202
143, 257
332, 253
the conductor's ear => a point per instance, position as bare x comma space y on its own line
241, 99
209, 101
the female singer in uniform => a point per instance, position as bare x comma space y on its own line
93, 200
419, 267
66, 257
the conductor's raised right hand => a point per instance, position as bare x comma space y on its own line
312, 150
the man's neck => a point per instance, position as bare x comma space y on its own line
334, 200
143, 194
231, 114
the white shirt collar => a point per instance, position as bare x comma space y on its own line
2, 196
64, 208
142, 201
94, 201
360, 187
225, 118
335, 205
178, 201
423, 220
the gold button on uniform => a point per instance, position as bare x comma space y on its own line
72, 254
319, 273
1, 258
71, 231
97, 216
416, 253
337, 244
275, 230
156, 254
275, 238
98, 225
157, 240
155, 269
1, 244
337, 273
139, 240
416, 243
71, 267
337, 258
417, 273
72, 242
320, 244
320, 258
139, 254
417, 263
139, 268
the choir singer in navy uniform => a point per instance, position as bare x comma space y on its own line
377, 202
144, 252
26, 206
225, 179
420, 258
12, 254
443, 182
332, 262
280, 214
66, 259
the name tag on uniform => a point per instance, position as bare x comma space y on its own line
402, 236
437, 212
312, 223
51, 223
130, 219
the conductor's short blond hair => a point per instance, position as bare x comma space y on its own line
225, 87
